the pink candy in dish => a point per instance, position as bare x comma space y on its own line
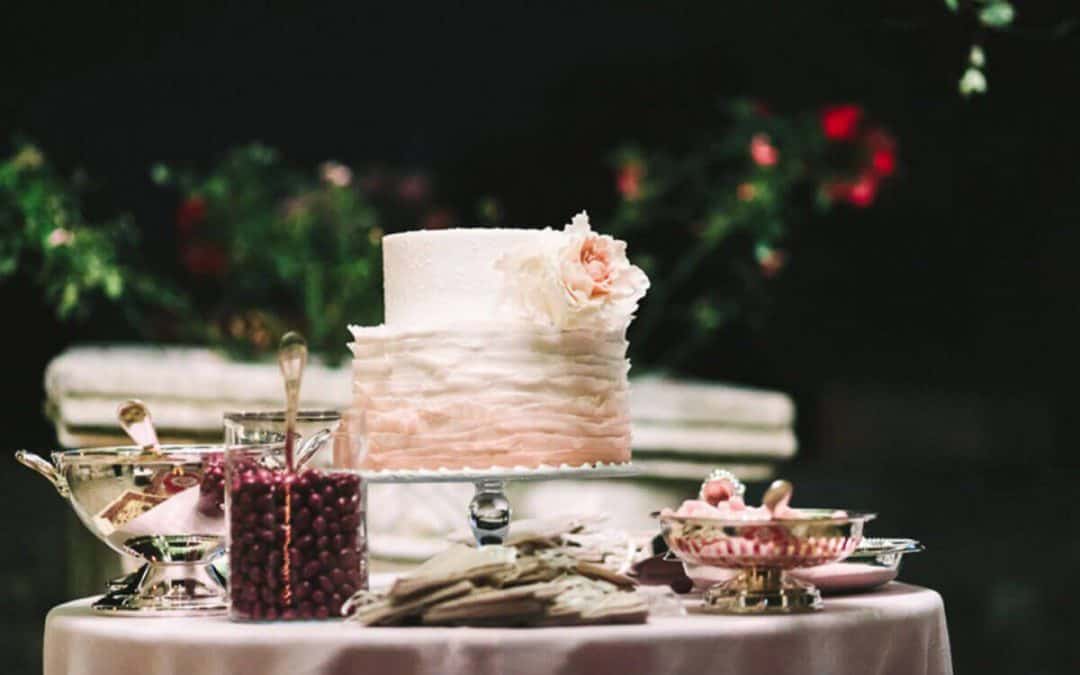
761, 543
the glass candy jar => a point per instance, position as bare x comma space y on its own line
314, 430
297, 546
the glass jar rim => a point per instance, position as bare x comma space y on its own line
134, 454
316, 415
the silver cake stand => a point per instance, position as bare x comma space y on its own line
489, 511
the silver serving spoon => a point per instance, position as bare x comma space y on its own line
292, 357
136, 421
778, 493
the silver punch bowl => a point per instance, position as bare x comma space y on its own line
164, 508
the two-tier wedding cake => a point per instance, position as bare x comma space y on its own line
500, 348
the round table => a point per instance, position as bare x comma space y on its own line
898, 629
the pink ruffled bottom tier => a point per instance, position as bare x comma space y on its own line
481, 399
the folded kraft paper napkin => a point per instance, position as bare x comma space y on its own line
499, 586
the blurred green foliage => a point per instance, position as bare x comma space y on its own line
269, 248
78, 261
262, 247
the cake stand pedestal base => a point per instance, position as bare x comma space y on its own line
490, 510
762, 591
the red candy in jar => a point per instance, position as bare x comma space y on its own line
212, 487
296, 543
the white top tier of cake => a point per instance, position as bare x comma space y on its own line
442, 278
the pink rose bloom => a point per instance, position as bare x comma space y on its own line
579, 280
594, 270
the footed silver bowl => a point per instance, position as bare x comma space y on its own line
761, 553
162, 508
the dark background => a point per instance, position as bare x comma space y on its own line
928, 341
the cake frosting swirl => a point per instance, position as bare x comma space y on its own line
500, 348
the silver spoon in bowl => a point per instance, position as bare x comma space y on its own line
778, 493
135, 419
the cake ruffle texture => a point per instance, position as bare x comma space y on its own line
520, 397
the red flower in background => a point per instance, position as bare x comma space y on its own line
200, 258
373, 182
762, 151
204, 259
414, 188
772, 263
863, 191
439, 219
882, 151
628, 180
877, 153
883, 162
860, 192
190, 213
837, 191
841, 122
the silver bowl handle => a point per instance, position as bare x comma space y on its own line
311, 446
45, 468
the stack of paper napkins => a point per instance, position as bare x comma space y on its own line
498, 586
187, 388
681, 429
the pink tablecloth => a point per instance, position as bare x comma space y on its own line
898, 630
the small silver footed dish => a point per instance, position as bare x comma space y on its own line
762, 553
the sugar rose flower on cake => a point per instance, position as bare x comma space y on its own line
582, 279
